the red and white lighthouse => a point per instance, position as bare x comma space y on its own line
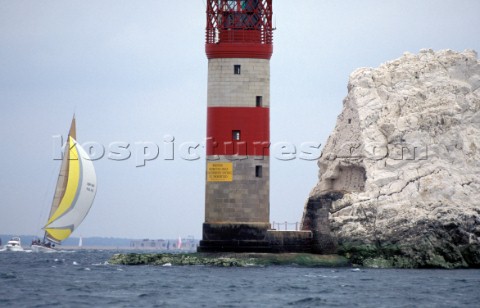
239, 48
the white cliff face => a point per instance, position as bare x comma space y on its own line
406, 149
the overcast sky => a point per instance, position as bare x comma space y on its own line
136, 72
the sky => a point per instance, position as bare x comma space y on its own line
135, 72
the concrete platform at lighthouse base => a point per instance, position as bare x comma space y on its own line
225, 237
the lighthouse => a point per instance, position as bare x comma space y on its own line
238, 47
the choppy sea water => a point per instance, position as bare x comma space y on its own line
85, 279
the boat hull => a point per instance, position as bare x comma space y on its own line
13, 248
40, 248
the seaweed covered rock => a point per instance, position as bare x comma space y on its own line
230, 259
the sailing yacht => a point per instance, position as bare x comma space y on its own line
74, 195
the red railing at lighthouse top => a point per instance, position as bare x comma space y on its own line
239, 28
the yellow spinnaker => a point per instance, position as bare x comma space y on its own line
59, 234
73, 184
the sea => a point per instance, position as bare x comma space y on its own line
84, 278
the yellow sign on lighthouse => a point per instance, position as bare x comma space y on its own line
219, 172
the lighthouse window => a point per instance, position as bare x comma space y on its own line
258, 171
237, 69
232, 5
259, 101
236, 135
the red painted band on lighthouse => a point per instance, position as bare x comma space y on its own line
238, 50
238, 131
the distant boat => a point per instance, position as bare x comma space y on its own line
80, 242
74, 195
14, 244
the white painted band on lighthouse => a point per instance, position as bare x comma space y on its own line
227, 89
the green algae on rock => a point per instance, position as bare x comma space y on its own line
423, 253
230, 259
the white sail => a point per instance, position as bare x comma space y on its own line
78, 195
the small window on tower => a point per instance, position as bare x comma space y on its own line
237, 68
259, 101
258, 171
235, 135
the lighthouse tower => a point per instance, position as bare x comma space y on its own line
238, 48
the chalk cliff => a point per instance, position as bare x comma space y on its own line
401, 170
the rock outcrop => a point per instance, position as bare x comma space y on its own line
229, 259
405, 157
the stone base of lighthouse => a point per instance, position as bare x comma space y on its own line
236, 204
251, 237
235, 237
237, 210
